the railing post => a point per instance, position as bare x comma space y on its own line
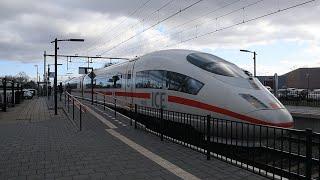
4, 83
72, 108
104, 102
68, 103
131, 114
308, 153
80, 123
96, 99
13, 95
135, 115
115, 107
208, 136
161, 123
65, 99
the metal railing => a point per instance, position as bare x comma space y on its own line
71, 104
300, 98
10, 94
273, 152
266, 150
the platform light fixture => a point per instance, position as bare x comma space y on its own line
55, 65
254, 59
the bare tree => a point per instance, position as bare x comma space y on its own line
22, 77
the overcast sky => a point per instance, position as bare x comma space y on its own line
129, 28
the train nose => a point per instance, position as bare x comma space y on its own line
274, 117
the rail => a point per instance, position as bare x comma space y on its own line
70, 100
300, 98
270, 151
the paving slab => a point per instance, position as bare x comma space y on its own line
187, 159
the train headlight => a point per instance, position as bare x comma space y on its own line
254, 101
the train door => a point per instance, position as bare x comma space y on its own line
129, 82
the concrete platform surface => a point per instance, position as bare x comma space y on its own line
47, 146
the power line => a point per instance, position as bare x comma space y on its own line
243, 22
210, 12
170, 16
157, 10
121, 22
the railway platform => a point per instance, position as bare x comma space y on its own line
305, 117
36, 144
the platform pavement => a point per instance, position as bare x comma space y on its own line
187, 159
304, 111
46, 146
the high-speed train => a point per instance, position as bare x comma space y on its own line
187, 81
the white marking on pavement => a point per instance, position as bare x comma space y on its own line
106, 122
154, 157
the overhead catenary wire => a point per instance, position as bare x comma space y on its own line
168, 17
155, 11
236, 24
244, 21
203, 15
116, 26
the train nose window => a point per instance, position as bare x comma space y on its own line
215, 65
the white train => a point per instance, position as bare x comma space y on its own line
188, 81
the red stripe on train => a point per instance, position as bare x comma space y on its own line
133, 94
208, 107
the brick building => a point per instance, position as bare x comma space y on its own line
300, 78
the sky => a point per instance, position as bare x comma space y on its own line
284, 40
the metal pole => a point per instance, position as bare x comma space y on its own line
254, 63
161, 123
91, 90
55, 76
80, 117
4, 108
104, 102
115, 107
135, 115
13, 95
96, 99
68, 103
60, 90
208, 136
72, 108
37, 80
45, 73
44, 67
18, 94
48, 80
308, 153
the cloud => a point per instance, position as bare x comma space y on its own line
27, 27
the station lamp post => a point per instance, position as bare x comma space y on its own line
254, 59
55, 66
37, 79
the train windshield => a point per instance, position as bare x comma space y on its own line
215, 65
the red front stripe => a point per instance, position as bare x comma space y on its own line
208, 107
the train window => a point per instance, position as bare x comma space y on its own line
101, 82
215, 65
116, 81
87, 82
158, 79
183, 83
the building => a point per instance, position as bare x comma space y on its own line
302, 78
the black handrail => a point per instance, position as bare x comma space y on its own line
75, 104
